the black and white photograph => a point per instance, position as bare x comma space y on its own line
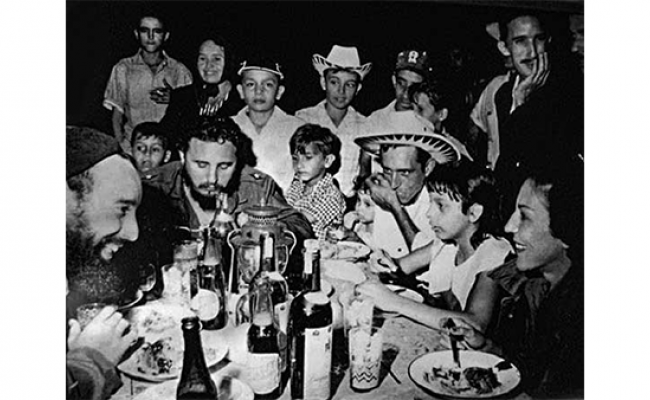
325, 200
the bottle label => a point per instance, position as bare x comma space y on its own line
318, 362
263, 372
205, 304
281, 311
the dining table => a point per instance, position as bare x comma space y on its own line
404, 341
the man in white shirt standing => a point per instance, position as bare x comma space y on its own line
407, 151
341, 75
263, 121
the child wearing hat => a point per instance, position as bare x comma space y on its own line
341, 75
263, 121
316, 156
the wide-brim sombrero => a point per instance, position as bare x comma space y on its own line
404, 129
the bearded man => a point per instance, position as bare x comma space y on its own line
103, 191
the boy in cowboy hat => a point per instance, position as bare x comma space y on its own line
341, 75
263, 121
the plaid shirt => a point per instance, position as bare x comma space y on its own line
323, 204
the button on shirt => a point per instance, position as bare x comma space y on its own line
131, 81
350, 128
271, 145
388, 236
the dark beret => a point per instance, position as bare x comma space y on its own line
86, 147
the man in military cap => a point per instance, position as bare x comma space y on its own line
103, 191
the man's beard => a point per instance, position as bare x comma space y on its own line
90, 275
209, 202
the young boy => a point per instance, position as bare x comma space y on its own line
150, 146
341, 75
316, 156
263, 121
139, 87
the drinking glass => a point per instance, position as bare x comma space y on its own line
86, 313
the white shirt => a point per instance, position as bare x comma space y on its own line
388, 236
271, 145
444, 275
350, 128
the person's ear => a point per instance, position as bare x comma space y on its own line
329, 160
392, 79
475, 212
443, 114
181, 155
166, 37
359, 86
428, 169
240, 90
135, 33
503, 48
322, 83
167, 156
280, 92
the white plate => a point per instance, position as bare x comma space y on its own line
345, 250
423, 365
343, 271
213, 354
167, 390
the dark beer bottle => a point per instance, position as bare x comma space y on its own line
263, 343
310, 330
195, 382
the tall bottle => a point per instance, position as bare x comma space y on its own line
186, 257
210, 303
279, 292
264, 359
195, 382
310, 330
223, 224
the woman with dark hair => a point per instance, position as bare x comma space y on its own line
539, 296
206, 98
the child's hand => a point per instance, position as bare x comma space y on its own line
380, 262
350, 219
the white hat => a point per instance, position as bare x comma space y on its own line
404, 128
341, 57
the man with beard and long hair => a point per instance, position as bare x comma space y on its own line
103, 190
217, 157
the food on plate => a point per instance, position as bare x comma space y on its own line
159, 357
468, 381
343, 250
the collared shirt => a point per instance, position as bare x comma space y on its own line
387, 234
444, 274
484, 115
349, 129
131, 81
323, 203
379, 118
271, 145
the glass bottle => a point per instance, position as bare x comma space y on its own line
186, 259
268, 271
223, 224
210, 303
263, 344
195, 382
310, 330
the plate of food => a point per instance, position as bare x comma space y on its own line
162, 359
481, 376
229, 389
344, 250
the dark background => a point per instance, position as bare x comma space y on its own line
99, 33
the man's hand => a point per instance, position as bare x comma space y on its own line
105, 333
161, 95
381, 192
534, 81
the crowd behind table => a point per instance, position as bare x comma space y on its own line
487, 219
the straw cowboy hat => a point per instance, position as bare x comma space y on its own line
341, 57
404, 128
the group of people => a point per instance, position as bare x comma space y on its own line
429, 204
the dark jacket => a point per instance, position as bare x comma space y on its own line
542, 331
